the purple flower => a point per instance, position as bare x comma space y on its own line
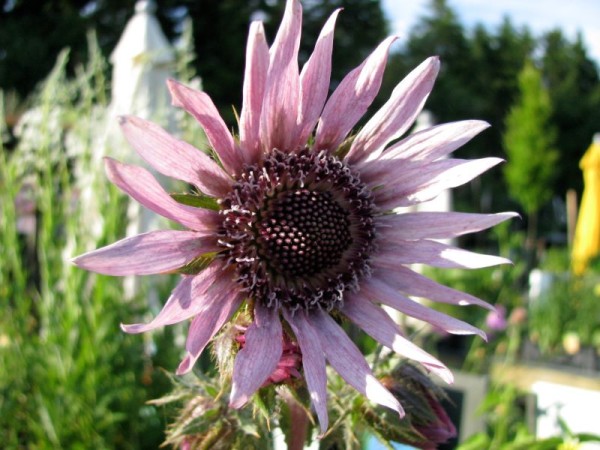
496, 320
293, 223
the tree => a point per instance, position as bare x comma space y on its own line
574, 86
498, 57
441, 33
529, 141
31, 36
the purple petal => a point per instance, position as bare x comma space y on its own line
255, 78
351, 99
314, 79
416, 183
435, 254
199, 105
186, 300
140, 185
313, 362
415, 284
436, 225
398, 113
425, 146
435, 142
258, 359
348, 361
282, 91
379, 291
217, 310
380, 326
175, 158
148, 253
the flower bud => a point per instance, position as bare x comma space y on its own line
421, 399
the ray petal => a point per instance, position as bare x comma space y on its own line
426, 146
380, 326
255, 78
147, 253
314, 79
258, 359
140, 185
436, 225
397, 114
313, 362
282, 91
201, 107
217, 310
351, 99
348, 361
379, 291
173, 157
435, 142
436, 254
414, 284
417, 183
186, 300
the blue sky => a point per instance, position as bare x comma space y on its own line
539, 15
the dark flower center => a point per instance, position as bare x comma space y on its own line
298, 229
303, 232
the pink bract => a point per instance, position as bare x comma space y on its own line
305, 231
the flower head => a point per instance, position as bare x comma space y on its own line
292, 223
430, 423
496, 320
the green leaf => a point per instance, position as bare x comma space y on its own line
197, 265
586, 437
344, 147
197, 200
250, 429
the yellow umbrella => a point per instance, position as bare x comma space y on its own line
586, 243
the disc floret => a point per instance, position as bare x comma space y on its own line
299, 230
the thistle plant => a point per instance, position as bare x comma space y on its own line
291, 235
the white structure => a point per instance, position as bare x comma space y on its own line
572, 404
142, 63
540, 282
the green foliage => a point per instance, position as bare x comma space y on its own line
43, 30
204, 419
571, 307
504, 408
69, 378
530, 143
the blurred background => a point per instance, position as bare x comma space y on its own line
69, 378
